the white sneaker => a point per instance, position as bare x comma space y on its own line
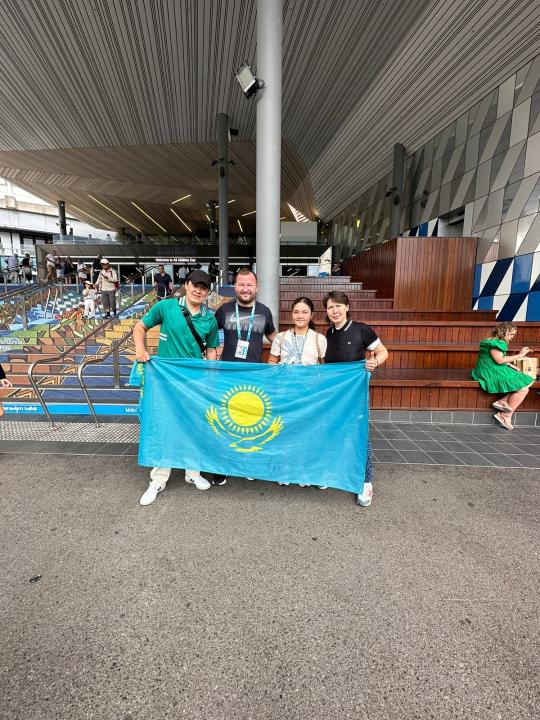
151, 493
365, 498
195, 478
158, 480
280, 483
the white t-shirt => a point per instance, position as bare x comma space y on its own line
51, 259
295, 349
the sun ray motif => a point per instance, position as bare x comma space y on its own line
245, 413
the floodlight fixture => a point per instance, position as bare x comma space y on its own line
248, 82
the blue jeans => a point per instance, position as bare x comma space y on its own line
369, 463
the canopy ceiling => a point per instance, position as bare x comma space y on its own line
117, 99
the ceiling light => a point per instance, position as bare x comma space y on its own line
228, 202
149, 216
283, 218
206, 216
249, 213
248, 82
240, 226
183, 223
185, 197
113, 212
91, 216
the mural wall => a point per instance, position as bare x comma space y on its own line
480, 176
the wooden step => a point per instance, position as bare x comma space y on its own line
431, 389
310, 287
306, 279
371, 316
355, 303
317, 295
446, 331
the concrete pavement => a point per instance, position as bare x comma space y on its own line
259, 601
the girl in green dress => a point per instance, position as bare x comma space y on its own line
496, 373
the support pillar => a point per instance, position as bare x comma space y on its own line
223, 193
397, 183
62, 225
211, 207
269, 53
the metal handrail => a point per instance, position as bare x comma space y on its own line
36, 287
91, 361
57, 359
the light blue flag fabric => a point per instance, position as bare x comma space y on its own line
284, 423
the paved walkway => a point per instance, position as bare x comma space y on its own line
421, 443
258, 601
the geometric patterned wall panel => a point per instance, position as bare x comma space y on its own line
482, 171
509, 285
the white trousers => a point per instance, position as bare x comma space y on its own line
89, 307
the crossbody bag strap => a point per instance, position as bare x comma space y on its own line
198, 340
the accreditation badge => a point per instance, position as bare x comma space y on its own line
241, 349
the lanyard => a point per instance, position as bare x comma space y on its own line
298, 346
250, 327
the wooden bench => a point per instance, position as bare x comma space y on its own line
430, 389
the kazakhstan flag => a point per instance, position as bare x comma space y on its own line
284, 423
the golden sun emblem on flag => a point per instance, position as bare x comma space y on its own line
245, 414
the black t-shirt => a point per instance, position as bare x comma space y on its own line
350, 342
163, 283
25, 262
262, 325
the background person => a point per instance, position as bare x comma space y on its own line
4, 383
50, 260
26, 268
107, 285
348, 341
13, 267
96, 268
163, 283
176, 340
89, 295
495, 374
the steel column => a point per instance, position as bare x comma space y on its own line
223, 192
269, 61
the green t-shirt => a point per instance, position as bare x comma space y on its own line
175, 338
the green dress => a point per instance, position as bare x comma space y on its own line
495, 378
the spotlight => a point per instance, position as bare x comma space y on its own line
248, 82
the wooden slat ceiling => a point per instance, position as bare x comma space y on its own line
118, 98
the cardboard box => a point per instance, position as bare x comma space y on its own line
529, 366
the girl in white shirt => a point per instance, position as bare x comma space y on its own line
302, 344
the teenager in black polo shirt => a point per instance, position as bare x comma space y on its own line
349, 341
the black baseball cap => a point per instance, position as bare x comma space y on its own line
199, 276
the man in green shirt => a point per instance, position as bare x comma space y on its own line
176, 340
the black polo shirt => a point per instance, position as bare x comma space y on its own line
350, 342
